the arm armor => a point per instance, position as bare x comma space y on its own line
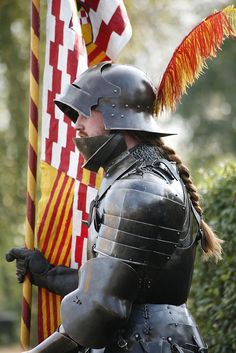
59, 279
102, 303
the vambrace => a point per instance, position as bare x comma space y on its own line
59, 279
93, 313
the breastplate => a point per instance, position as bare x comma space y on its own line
143, 216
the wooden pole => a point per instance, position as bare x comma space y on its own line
32, 166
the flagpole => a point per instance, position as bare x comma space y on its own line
32, 166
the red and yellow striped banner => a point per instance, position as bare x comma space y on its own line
32, 167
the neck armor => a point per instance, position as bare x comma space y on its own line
100, 150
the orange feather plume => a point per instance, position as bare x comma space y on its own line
189, 59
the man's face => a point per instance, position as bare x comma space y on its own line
90, 127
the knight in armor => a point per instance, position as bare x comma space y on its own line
144, 226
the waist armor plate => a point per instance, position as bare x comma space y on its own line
154, 328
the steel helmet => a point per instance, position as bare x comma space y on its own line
123, 93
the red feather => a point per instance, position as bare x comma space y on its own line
190, 57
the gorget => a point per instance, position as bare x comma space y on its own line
141, 153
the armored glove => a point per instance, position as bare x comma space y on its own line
58, 279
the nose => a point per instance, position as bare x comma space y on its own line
79, 122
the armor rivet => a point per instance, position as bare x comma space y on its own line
169, 339
122, 116
149, 286
183, 208
115, 91
168, 257
138, 106
178, 233
113, 105
126, 106
176, 324
112, 114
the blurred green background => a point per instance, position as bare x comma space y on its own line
206, 125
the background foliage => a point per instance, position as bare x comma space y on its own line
213, 295
205, 122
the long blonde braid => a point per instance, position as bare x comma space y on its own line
211, 243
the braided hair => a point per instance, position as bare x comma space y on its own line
211, 244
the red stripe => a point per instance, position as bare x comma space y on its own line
54, 302
48, 316
35, 22
66, 151
67, 257
32, 161
64, 237
40, 315
34, 66
90, 4
59, 225
72, 59
82, 197
53, 217
79, 250
34, 114
92, 179
79, 169
26, 313
49, 204
97, 51
30, 211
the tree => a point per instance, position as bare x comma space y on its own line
209, 110
14, 64
213, 295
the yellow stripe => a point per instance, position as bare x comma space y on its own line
90, 48
98, 58
27, 290
24, 335
29, 235
85, 177
44, 313
34, 44
52, 326
99, 178
64, 221
51, 209
56, 220
34, 89
31, 185
36, 4
66, 244
33, 137
58, 309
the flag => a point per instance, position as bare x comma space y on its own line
77, 35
